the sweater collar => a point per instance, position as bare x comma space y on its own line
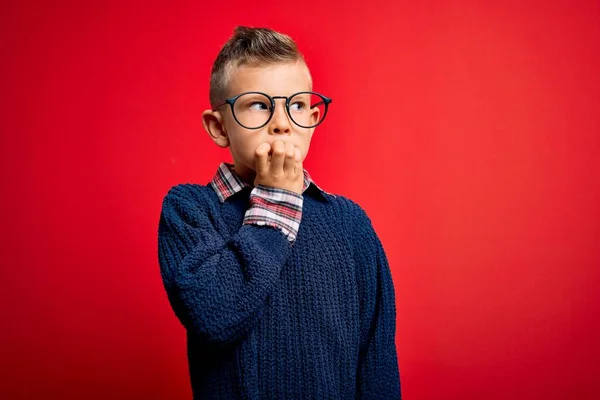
226, 183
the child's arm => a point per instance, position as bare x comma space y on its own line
378, 375
217, 287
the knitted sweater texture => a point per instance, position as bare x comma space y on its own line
270, 319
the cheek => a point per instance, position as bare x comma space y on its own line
306, 148
244, 147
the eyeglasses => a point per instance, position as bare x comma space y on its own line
253, 110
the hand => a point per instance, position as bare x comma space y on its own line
279, 166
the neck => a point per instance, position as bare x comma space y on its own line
245, 174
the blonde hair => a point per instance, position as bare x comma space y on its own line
250, 46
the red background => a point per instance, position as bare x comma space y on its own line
468, 131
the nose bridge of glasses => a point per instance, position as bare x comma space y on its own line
279, 97
283, 103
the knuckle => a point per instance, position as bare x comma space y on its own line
289, 153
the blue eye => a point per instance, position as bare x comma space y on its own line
258, 106
297, 106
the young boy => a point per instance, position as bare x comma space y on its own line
284, 289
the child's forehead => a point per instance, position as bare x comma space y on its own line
273, 79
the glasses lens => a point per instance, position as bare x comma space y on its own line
252, 109
307, 109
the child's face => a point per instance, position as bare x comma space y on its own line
274, 80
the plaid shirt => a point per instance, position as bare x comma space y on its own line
270, 206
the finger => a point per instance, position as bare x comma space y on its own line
289, 163
261, 157
277, 156
298, 161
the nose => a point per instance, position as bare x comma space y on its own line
280, 122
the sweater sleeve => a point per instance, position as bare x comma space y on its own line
378, 373
216, 285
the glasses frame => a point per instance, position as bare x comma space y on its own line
231, 101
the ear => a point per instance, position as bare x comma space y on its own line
213, 124
315, 115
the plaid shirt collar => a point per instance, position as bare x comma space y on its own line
226, 183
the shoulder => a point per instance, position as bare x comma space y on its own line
367, 246
355, 218
351, 209
188, 192
188, 197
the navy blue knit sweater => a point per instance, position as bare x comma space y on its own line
270, 319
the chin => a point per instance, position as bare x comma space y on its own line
250, 166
